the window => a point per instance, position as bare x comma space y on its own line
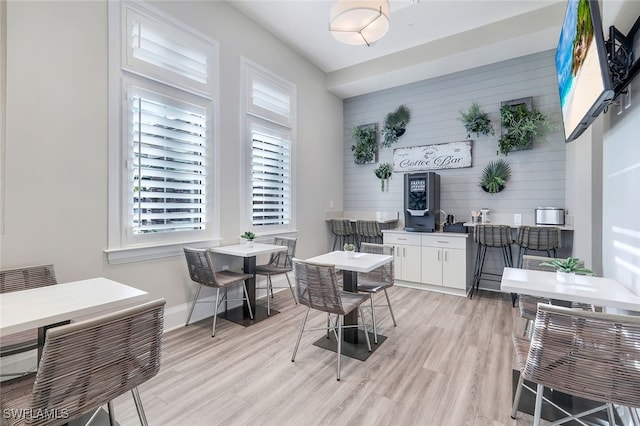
270, 124
162, 81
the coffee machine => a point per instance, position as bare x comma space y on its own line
421, 202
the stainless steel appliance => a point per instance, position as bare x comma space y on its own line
549, 216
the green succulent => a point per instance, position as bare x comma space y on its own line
476, 121
495, 175
248, 235
570, 264
349, 247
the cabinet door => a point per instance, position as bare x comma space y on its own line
454, 269
411, 270
432, 265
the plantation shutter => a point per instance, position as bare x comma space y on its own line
169, 165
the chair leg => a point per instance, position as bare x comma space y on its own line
393, 318
112, 415
373, 320
516, 399
246, 295
268, 298
612, 418
304, 321
139, 408
293, 293
215, 313
193, 304
339, 351
538, 410
366, 332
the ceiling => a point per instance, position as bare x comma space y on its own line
426, 38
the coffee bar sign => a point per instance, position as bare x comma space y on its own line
452, 155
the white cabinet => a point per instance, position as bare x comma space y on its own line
444, 261
432, 261
407, 253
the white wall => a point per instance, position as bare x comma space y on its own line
56, 143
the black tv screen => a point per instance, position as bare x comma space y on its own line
581, 65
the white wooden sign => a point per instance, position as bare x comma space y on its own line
452, 155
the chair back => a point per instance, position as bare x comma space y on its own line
341, 227
86, 364
493, 235
368, 228
538, 238
587, 354
383, 274
282, 259
200, 266
26, 278
533, 263
317, 286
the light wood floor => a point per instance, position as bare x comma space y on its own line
448, 362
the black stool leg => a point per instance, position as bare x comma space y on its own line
482, 258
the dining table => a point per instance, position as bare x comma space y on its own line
249, 253
49, 306
354, 344
597, 291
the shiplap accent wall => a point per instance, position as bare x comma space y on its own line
538, 175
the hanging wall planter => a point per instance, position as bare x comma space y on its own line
383, 172
521, 125
476, 121
394, 125
366, 147
495, 176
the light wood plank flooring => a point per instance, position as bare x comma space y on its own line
448, 362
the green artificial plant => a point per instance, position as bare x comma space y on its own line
394, 125
364, 151
570, 264
520, 127
476, 121
383, 172
495, 176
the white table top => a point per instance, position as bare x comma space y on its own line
243, 250
361, 262
597, 291
38, 307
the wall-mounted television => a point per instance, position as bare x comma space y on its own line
582, 67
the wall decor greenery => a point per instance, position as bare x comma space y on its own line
383, 172
394, 125
476, 121
521, 125
495, 176
366, 147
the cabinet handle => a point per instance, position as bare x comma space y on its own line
446, 256
443, 242
438, 255
404, 252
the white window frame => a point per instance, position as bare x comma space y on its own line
280, 124
123, 245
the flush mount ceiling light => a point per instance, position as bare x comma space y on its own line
359, 21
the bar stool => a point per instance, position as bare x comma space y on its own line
368, 231
491, 236
342, 231
537, 238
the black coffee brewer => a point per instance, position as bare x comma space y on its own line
421, 202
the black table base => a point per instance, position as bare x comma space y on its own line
238, 316
352, 350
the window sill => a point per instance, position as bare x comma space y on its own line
142, 253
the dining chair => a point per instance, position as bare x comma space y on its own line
18, 279
87, 364
380, 279
343, 232
537, 238
586, 354
317, 288
528, 305
279, 263
201, 271
491, 236
368, 231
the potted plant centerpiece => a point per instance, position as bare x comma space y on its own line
495, 176
566, 269
350, 250
249, 236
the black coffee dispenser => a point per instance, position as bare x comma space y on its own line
421, 202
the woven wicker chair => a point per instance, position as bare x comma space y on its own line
537, 238
342, 231
491, 236
585, 354
201, 270
379, 279
279, 263
16, 280
368, 231
528, 305
317, 288
89, 363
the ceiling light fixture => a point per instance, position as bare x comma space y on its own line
359, 21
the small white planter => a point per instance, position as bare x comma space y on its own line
350, 254
250, 243
566, 277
